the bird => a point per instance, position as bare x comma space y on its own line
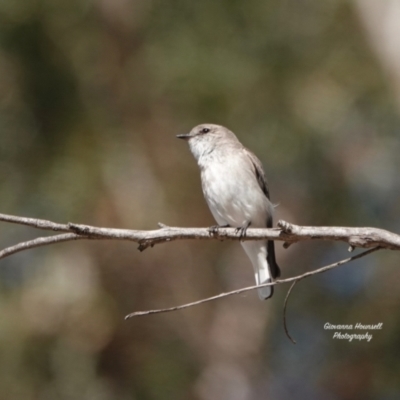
237, 193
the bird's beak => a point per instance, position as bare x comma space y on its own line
184, 136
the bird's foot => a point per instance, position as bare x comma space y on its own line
243, 229
215, 228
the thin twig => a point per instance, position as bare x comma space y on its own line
246, 289
38, 242
284, 312
35, 223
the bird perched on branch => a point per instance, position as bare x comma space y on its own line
236, 192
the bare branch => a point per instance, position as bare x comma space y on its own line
286, 232
246, 289
355, 237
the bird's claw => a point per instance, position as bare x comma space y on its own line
242, 230
214, 230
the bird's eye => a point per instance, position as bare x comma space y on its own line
205, 130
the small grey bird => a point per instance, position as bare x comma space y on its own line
236, 192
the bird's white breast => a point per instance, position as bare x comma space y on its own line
232, 192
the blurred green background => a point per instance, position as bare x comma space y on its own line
92, 96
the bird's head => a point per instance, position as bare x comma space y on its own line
205, 138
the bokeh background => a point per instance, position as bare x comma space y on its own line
92, 94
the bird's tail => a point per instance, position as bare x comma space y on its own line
266, 269
274, 268
263, 275
269, 273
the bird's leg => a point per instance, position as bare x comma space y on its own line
242, 229
214, 229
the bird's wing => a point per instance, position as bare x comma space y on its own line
262, 181
259, 171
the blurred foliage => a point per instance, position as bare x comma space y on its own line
92, 95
